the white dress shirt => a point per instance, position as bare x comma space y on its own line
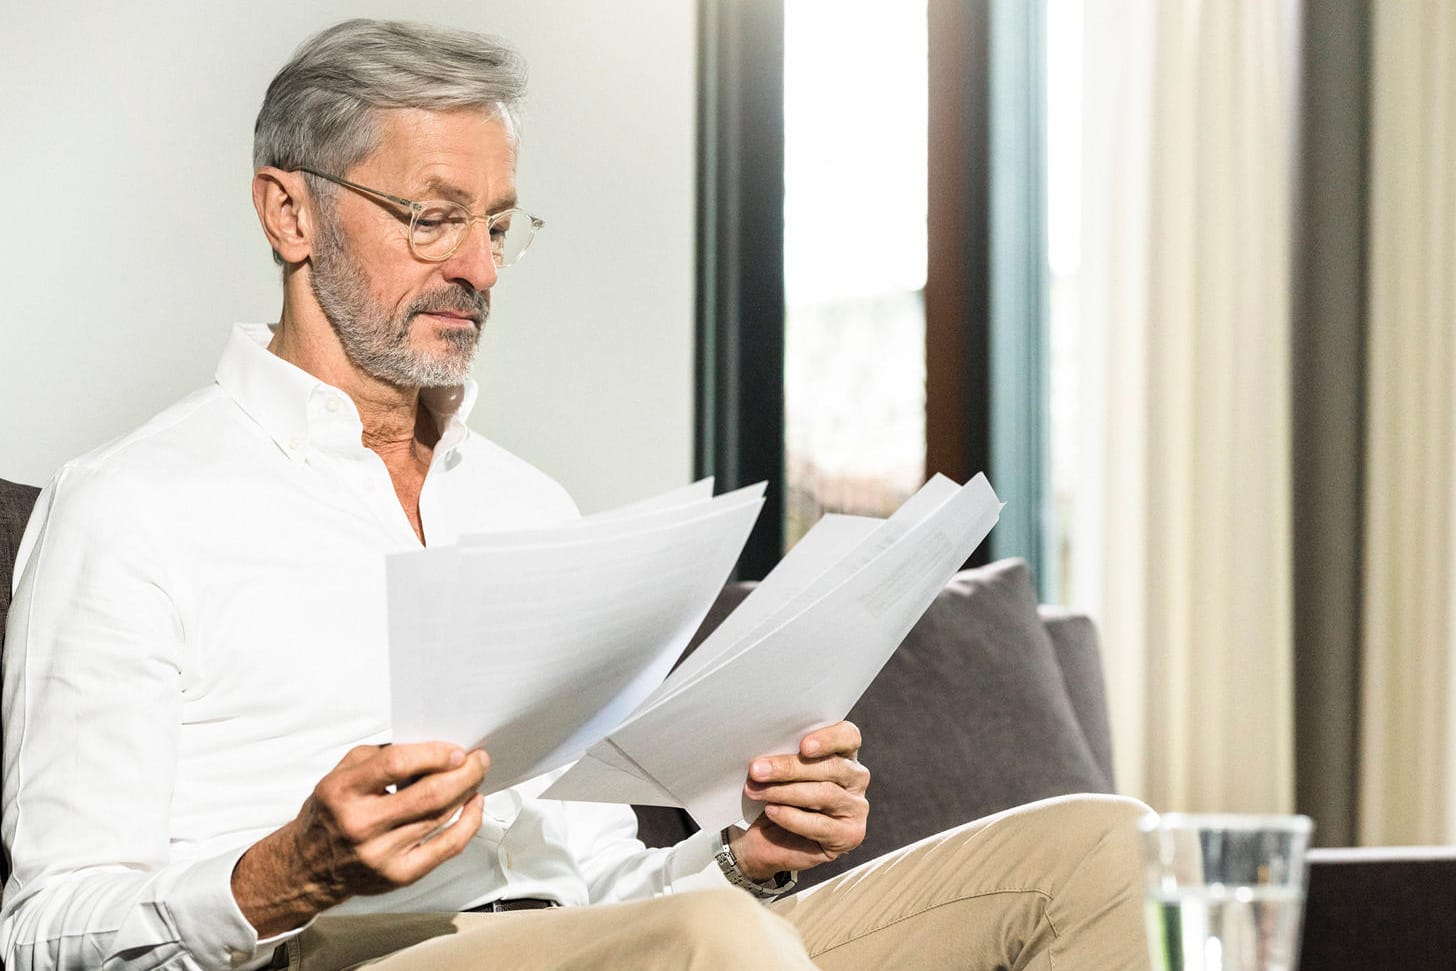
198, 636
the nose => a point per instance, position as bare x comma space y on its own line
473, 262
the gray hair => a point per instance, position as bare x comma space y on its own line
321, 109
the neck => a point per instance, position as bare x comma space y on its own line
396, 427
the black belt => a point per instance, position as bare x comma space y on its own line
517, 903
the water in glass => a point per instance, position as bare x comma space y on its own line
1218, 928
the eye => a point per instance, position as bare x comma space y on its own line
436, 217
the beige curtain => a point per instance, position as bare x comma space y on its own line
1185, 559
1408, 721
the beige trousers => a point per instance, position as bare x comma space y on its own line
1051, 885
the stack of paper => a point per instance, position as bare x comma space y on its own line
551, 646
536, 644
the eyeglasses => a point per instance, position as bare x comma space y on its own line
437, 228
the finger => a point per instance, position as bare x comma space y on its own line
402, 838
834, 834
358, 755
435, 792
395, 764
443, 841
842, 738
821, 797
773, 769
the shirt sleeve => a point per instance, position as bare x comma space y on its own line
92, 696
618, 866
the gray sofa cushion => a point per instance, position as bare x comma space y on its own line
16, 501
970, 716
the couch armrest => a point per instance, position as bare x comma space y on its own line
1074, 638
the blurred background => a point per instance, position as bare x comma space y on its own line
1176, 275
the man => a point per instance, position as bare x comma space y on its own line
196, 645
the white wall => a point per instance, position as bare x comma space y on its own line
130, 245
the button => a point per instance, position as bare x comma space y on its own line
332, 404
237, 957
509, 862
294, 443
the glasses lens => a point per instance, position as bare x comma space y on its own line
510, 234
440, 227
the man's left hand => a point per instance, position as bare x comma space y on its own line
815, 806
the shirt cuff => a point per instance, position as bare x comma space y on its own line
691, 865
209, 920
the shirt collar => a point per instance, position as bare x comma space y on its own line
295, 409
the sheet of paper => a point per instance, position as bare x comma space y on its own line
828, 568
603, 527
696, 744
606, 768
832, 537
537, 651
697, 492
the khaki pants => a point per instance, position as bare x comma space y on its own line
1051, 885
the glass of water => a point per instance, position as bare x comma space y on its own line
1225, 892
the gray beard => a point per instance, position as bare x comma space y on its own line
378, 343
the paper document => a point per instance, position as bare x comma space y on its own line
809, 644
552, 646
535, 644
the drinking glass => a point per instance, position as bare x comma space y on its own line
1224, 892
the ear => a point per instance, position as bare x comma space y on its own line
286, 212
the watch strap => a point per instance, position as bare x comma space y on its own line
780, 883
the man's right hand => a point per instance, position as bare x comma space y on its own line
366, 829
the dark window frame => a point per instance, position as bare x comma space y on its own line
740, 296
740, 278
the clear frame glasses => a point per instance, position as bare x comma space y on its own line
438, 227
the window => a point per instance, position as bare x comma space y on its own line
854, 256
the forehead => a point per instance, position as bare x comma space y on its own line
452, 153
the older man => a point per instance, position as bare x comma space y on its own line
197, 639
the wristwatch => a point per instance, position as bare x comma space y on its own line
780, 883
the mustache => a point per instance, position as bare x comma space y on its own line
457, 299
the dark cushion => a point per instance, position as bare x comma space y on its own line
16, 502
970, 716
1387, 907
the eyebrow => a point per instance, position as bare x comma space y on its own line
439, 189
